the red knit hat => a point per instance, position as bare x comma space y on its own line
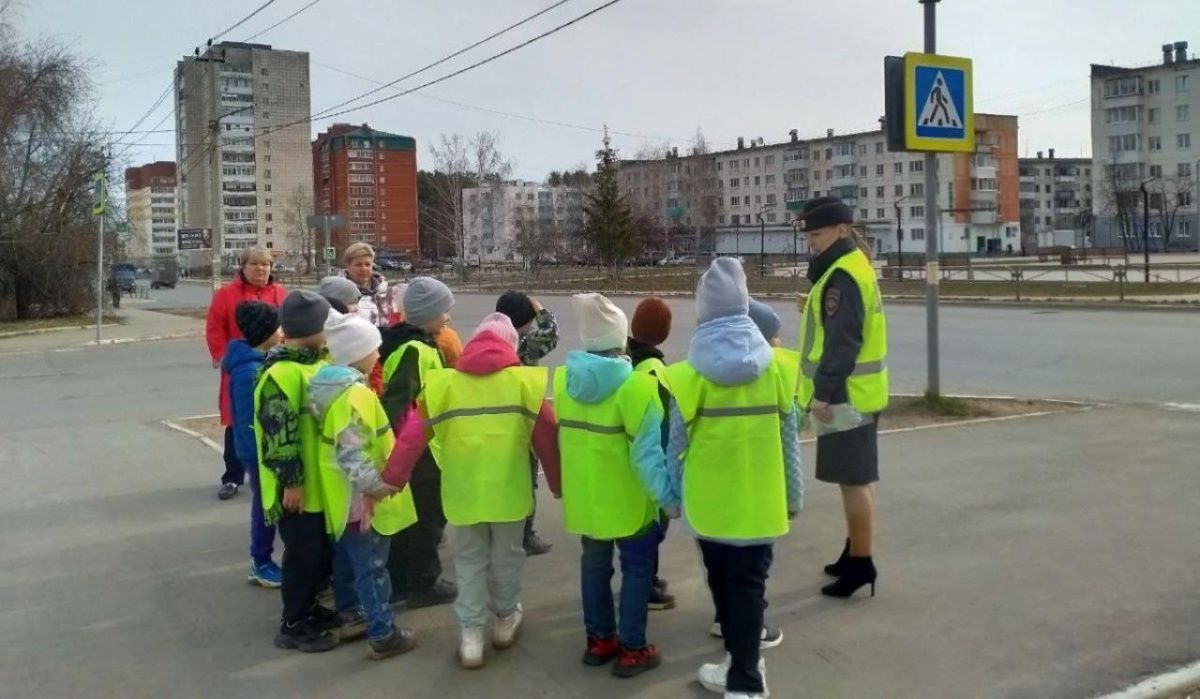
651, 321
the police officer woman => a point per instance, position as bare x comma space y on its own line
844, 380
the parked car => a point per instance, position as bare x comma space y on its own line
164, 274
125, 276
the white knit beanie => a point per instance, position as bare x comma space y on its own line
722, 291
350, 338
500, 325
602, 326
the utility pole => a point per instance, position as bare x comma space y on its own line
1146, 226
762, 246
899, 242
932, 273
325, 252
100, 209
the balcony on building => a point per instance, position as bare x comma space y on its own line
983, 165
981, 215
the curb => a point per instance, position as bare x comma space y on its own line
1163, 685
194, 434
148, 338
56, 328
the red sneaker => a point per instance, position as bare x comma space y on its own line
631, 663
600, 650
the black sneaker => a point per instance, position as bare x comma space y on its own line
536, 545
400, 640
660, 600
304, 637
324, 618
227, 491
354, 625
442, 592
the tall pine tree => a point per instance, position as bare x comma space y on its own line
609, 228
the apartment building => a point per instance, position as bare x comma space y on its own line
493, 215
243, 142
150, 202
760, 188
369, 178
1146, 129
1056, 201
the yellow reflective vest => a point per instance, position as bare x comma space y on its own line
292, 379
359, 407
484, 426
867, 385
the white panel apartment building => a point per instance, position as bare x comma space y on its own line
1146, 124
977, 194
150, 201
1056, 201
492, 216
255, 100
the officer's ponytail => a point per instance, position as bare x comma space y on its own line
860, 241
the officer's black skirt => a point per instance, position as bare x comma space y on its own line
850, 457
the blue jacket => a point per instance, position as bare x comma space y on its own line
243, 363
731, 351
592, 378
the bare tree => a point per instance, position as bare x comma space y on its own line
535, 241
702, 192
458, 165
1174, 193
1120, 199
301, 238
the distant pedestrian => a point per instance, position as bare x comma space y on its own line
375, 303
487, 414
648, 330
734, 453
538, 329
259, 325
362, 511
844, 381
253, 282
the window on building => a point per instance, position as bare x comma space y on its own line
769, 180
746, 218
1183, 141
862, 214
917, 234
721, 219
862, 171
757, 198
879, 192
734, 182
770, 200
817, 175
756, 162
769, 160
746, 200
862, 192
1184, 170
770, 217
1119, 87
757, 180
816, 154
1183, 112
916, 166
267, 174
1156, 170
879, 171
916, 189
1181, 83
829, 154
269, 231
264, 72
898, 168
1185, 197
916, 211
1153, 143
1122, 115
879, 213
1153, 86
1154, 115
733, 201
1128, 142
898, 190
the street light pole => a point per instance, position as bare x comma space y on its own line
762, 245
1146, 227
899, 241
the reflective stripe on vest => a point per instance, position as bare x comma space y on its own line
359, 407
292, 379
428, 359
734, 485
483, 425
867, 385
603, 498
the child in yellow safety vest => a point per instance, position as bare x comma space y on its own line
361, 510
484, 416
614, 483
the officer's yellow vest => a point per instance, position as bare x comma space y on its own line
484, 425
788, 361
656, 368
603, 498
867, 385
733, 481
359, 406
428, 359
292, 378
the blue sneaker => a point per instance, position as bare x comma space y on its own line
265, 574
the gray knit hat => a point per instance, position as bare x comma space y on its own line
765, 318
303, 314
340, 289
722, 291
425, 299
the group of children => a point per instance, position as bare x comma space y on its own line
360, 483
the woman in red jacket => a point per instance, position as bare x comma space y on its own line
253, 282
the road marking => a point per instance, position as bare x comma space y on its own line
194, 434
1183, 407
1164, 685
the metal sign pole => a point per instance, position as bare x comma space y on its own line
932, 272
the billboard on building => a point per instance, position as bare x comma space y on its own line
193, 239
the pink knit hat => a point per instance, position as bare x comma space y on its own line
500, 325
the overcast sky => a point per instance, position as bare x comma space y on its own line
659, 68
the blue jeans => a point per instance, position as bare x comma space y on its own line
360, 578
637, 555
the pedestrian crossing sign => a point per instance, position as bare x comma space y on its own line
938, 99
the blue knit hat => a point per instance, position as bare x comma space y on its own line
765, 318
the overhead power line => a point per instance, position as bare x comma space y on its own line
243, 20
285, 19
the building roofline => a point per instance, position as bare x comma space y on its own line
1102, 71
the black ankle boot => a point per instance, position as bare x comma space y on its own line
855, 573
835, 568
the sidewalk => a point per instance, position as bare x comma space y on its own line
137, 325
1049, 557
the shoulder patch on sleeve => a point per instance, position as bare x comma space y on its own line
833, 301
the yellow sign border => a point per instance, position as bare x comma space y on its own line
938, 145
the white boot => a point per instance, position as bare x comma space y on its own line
504, 634
470, 651
712, 677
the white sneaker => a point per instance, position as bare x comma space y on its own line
504, 634
712, 677
470, 651
769, 639
742, 695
